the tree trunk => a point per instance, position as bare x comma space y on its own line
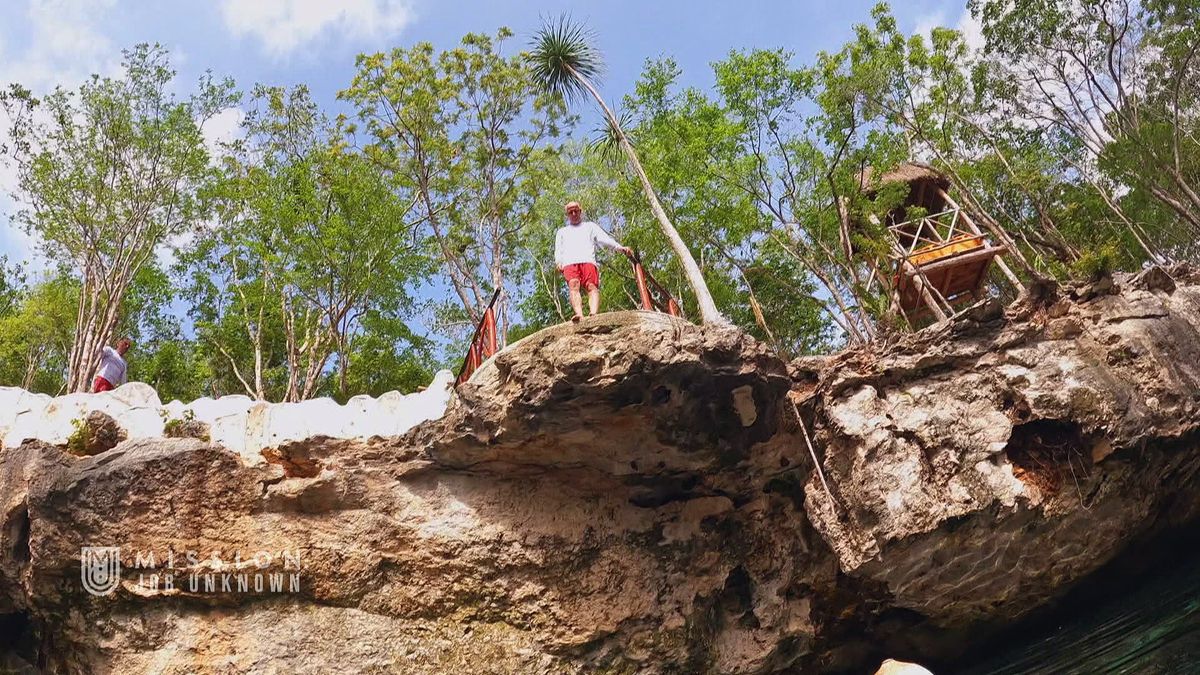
708, 308
95, 323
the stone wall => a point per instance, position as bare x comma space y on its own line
238, 423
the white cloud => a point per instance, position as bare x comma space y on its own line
972, 31
927, 22
48, 43
282, 26
224, 127
63, 43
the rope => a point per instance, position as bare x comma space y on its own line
813, 453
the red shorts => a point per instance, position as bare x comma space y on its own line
586, 273
100, 384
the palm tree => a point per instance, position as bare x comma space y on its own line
564, 61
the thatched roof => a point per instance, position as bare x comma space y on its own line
907, 172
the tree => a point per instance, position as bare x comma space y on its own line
1118, 80
808, 187
699, 149
35, 336
311, 240
379, 366
106, 173
564, 62
162, 356
11, 283
461, 133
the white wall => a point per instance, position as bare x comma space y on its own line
236, 422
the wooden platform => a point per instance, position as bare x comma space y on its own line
955, 268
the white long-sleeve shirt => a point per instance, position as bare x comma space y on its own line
575, 244
112, 367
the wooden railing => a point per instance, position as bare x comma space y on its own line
483, 342
935, 228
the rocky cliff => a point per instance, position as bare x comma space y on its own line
630, 494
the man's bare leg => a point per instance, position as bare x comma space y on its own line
594, 299
576, 299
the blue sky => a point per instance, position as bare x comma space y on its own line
44, 43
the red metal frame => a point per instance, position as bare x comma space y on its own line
483, 342
644, 281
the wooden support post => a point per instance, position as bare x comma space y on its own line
918, 279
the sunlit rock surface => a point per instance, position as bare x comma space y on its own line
632, 494
975, 474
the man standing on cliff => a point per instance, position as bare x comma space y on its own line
111, 373
575, 256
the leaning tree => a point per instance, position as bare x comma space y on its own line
564, 62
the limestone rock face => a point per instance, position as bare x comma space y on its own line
631, 494
97, 433
977, 473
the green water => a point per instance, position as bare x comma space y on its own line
1142, 623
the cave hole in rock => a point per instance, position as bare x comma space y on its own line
737, 597
1016, 407
17, 531
1049, 454
790, 486
653, 492
18, 643
12, 627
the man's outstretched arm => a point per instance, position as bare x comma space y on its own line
605, 239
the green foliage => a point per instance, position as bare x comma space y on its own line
311, 239
387, 357
36, 335
77, 441
463, 135
11, 284
173, 428
1113, 87
105, 174
186, 427
1096, 263
560, 54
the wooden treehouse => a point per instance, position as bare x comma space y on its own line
938, 256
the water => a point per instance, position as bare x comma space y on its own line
1146, 622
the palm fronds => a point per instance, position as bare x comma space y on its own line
606, 141
560, 54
